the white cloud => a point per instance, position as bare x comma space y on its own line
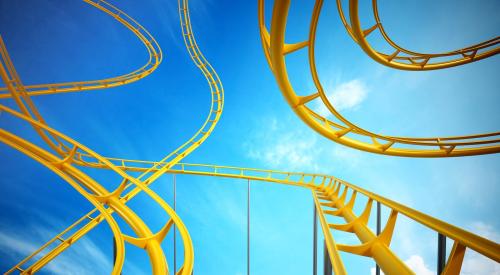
486, 231
86, 258
344, 96
279, 145
475, 263
285, 148
415, 263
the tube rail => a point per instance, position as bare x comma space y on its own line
342, 130
403, 59
330, 197
72, 153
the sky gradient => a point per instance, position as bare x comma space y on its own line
56, 41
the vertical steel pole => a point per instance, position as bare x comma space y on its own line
315, 241
248, 227
175, 246
377, 268
441, 256
327, 270
114, 252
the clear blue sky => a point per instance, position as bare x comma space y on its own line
55, 41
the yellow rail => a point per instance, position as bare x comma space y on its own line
64, 155
330, 196
343, 131
71, 151
155, 57
403, 59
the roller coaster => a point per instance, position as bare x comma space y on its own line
66, 157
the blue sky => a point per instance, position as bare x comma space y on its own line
54, 41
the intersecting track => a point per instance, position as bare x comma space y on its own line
64, 156
72, 153
344, 131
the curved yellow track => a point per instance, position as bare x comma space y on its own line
331, 198
64, 155
74, 153
155, 56
401, 58
344, 131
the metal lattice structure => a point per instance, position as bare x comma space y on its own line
66, 157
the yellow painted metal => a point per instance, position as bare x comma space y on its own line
342, 130
116, 199
330, 193
155, 57
401, 58
67, 155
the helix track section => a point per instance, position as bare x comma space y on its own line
404, 59
342, 130
155, 57
336, 197
74, 154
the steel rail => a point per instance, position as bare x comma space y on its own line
32, 116
199, 137
52, 163
155, 56
329, 188
403, 59
145, 238
73, 154
344, 131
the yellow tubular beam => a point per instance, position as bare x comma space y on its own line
325, 189
335, 259
153, 249
403, 59
344, 131
217, 102
24, 147
318, 183
116, 204
154, 52
372, 246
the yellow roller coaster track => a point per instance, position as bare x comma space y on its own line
343, 131
64, 155
70, 151
401, 58
329, 200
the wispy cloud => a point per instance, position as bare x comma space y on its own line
475, 263
344, 96
84, 258
415, 263
279, 144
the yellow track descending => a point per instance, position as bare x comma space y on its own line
330, 194
401, 58
64, 155
343, 131
155, 56
72, 153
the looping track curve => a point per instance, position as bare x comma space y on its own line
75, 154
404, 59
344, 131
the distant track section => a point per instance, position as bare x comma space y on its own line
73, 154
342, 130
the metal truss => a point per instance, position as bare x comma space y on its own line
67, 158
403, 59
330, 197
66, 153
342, 130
